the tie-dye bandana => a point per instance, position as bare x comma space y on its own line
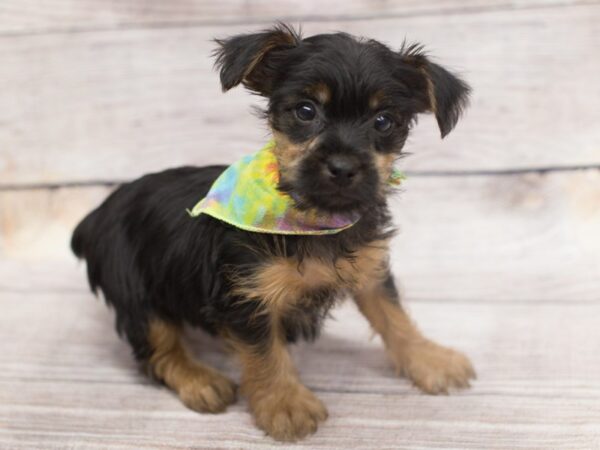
246, 196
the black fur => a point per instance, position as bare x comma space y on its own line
237, 55
451, 94
151, 259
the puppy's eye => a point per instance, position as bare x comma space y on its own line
305, 111
383, 123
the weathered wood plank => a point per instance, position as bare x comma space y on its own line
37, 224
99, 356
34, 16
66, 380
356, 421
493, 238
117, 104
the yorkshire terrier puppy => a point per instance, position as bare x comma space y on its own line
340, 109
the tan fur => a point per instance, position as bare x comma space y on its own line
279, 39
289, 154
321, 92
282, 281
282, 406
431, 367
376, 99
199, 387
367, 263
384, 164
430, 90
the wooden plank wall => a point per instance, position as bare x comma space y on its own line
499, 243
97, 93
115, 103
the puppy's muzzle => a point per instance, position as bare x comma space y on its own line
342, 170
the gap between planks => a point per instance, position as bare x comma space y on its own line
503, 302
408, 173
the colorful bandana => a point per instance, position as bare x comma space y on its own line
246, 196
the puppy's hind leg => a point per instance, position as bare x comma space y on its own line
199, 387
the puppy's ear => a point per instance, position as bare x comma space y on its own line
252, 59
438, 90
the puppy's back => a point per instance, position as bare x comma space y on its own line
186, 185
123, 241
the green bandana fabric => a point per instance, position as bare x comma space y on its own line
246, 196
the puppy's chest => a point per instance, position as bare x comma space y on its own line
281, 283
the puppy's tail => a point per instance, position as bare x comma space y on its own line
82, 235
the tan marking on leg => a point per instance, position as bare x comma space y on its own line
281, 405
430, 366
199, 387
366, 264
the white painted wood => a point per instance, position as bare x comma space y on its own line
116, 104
35, 16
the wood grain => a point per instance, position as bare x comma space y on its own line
486, 238
34, 16
68, 381
116, 104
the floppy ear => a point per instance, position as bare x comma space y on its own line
252, 59
441, 92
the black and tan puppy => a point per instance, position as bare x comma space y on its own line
340, 109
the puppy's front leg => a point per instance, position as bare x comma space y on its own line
430, 366
282, 406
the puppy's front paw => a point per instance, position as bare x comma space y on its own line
208, 391
435, 369
288, 413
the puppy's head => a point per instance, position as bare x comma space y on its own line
340, 108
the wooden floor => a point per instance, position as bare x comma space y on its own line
67, 381
498, 251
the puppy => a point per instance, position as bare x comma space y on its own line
340, 109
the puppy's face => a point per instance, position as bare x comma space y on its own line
340, 108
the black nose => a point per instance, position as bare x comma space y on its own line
342, 169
